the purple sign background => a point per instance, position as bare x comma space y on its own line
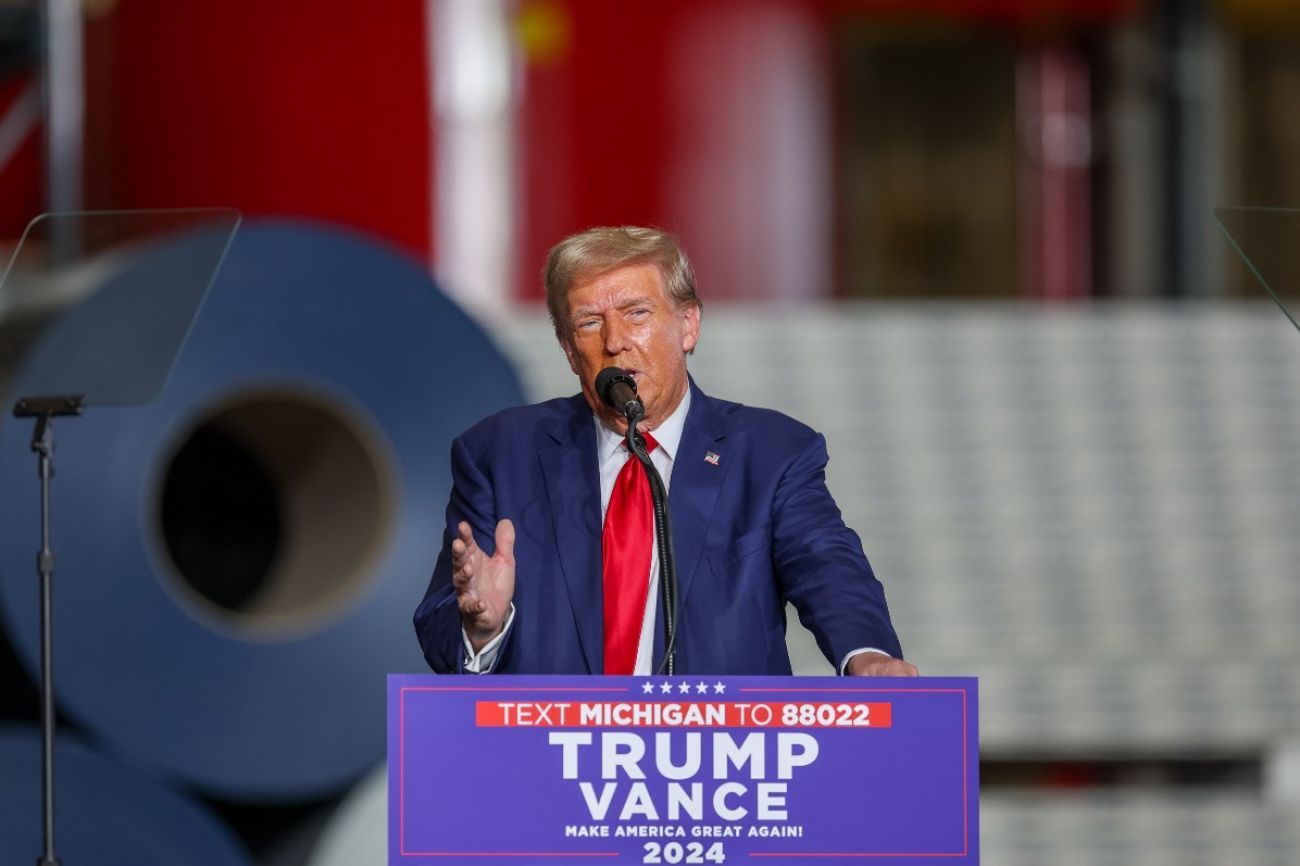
474, 776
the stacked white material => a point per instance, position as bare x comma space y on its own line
1142, 830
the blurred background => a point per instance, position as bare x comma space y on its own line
1073, 452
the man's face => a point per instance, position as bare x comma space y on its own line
624, 318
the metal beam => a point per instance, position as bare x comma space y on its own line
63, 88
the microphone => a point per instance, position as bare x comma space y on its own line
618, 390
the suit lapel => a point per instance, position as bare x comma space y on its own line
573, 488
699, 468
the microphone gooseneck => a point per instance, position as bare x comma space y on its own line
664, 542
618, 391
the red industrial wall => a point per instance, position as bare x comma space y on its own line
603, 118
322, 109
594, 125
289, 107
21, 181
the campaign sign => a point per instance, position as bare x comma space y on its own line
668, 770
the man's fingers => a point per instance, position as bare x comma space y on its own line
878, 665
897, 668
469, 561
461, 574
505, 538
459, 554
471, 604
463, 547
463, 543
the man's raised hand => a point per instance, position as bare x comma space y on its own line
484, 584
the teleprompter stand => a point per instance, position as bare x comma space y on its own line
43, 409
94, 310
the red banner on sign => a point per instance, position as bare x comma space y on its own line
671, 714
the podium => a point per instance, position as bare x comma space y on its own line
682, 769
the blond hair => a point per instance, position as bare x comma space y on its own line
601, 249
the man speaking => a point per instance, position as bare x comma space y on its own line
549, 563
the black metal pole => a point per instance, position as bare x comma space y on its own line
667, 569
43, 445
44, 409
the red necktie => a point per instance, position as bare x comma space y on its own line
626, 542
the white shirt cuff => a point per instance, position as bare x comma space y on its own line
844, 662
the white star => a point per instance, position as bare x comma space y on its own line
684, 688
647, 687
666, 688
719, 687
702, 687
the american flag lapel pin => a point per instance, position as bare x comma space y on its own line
711, 458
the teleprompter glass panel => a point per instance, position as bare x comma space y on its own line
99, 304
1268, 241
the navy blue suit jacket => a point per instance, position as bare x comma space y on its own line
752, 530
